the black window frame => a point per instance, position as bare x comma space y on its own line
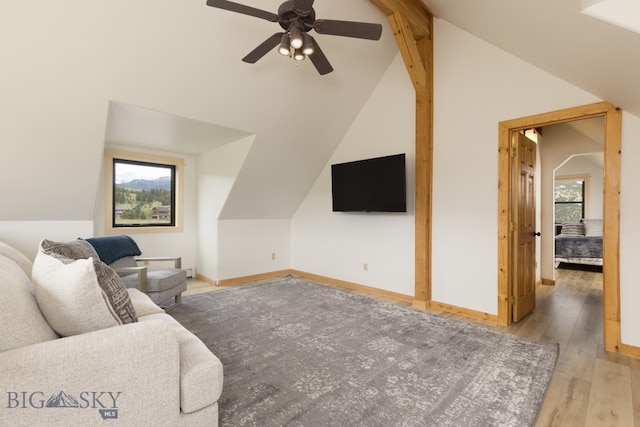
171, 167
583, 202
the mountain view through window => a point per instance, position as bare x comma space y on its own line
569, 200
143, 194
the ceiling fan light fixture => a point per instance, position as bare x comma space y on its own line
307, 44
296, 37
298, 55
285, 45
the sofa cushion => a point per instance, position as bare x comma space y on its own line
108, 280
70, 296
124, 262
158, 280
22, 322
17, 257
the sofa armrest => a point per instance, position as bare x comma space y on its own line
177, 261
142, 276
129, 372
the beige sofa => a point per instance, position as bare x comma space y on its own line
151, 372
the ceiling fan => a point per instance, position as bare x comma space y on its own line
297, 18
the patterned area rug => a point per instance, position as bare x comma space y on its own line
301, 354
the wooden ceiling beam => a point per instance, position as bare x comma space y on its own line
412, 25
409, 48
415, 11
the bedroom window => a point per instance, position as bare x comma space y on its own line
569, 198
142, 192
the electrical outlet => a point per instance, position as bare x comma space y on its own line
365, 267
273, 255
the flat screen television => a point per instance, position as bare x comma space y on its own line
370, 185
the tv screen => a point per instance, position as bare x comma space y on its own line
371, 185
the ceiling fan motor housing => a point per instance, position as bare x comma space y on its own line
288, 15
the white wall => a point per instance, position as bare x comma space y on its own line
476, 87
559, 143
337, 245
217, 171
26, 235
630, 231
248, 247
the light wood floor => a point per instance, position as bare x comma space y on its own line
590, 387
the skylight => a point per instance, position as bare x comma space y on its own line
622, 13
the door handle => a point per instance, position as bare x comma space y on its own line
536, 233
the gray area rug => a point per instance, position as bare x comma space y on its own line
301, 354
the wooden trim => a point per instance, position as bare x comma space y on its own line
611, 232
206, 279
630, 350
421, 305
350, 285
464, 311
109, 155
548, 282
611, 235
504, 224
252, 278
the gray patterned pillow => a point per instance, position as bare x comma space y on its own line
116, 291
75, 249
111, 284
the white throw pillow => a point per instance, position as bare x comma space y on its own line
592, 227
70, 296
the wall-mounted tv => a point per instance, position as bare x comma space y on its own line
370, 185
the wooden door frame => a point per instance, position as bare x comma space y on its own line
611, 213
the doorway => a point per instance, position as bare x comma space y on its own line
611, 213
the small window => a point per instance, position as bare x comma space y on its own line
569, 198
143, 192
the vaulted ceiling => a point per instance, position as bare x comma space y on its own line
159, 64
594, 55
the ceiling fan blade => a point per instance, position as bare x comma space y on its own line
303, 5
361, 30
319, 60
240, 8
263, 48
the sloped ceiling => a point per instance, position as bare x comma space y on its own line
298, 116
286, 105
173, 65
555, 36
64, 66
154, 130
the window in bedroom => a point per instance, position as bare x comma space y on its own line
142, 192
569, 195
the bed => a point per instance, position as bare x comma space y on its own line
580, 242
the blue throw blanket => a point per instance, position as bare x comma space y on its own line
112, 248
